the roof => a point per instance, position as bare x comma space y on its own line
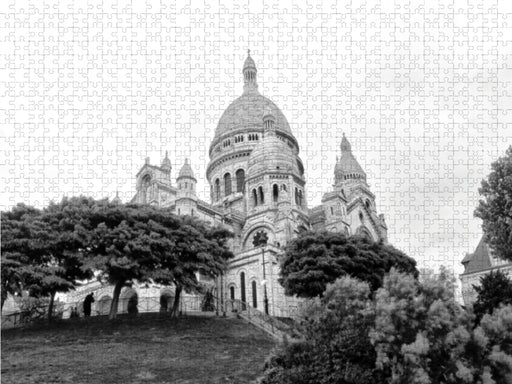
247, 113
347, 164
186, 171
478, 260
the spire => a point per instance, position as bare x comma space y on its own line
166, 163
345, 145
250, 72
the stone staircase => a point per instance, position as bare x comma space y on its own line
278, 329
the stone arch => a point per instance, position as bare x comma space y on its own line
144, 187
240, 180
129, 301
254, 293
103, 305
243, 291
275, 193
232, 291
261, 195
166, 300
251, 231
217, 189
227, 184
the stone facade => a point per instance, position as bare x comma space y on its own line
477, 265
257, 183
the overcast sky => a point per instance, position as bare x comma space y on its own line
423, 92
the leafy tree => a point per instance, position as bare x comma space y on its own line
494, 290
126, 244
422, 335
336, 347
496, 208
42, 250
17, 248
405, 332
315, 259
196, 250
492, 347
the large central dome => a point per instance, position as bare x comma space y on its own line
247, 112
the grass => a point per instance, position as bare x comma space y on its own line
148, 348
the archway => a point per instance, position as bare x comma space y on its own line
129, 301
254, 294
166, 301
104, 304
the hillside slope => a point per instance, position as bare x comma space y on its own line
142, 349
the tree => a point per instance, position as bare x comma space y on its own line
336, 347
126, 244
406, 332
496, 207
17, 248
42, 252
495, 289
196, 250
422, 335
315, 259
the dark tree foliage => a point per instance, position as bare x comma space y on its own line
315, 259
495, 289
196, 249
17, 248
496, 207
336, 347
43, 249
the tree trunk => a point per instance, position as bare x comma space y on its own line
115, 300
176, 304
50, 306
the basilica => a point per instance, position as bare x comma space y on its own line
257, 186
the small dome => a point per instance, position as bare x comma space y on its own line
249, 62
347, 164
186, 171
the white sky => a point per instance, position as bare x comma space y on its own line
422, 90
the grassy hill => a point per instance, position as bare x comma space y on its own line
148, 348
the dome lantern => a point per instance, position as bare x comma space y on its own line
250, 72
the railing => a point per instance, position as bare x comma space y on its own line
269, 324
187, 305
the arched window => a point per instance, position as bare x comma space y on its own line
283, 187
262, 197
296, 196
240, 180
300, 198
254, 294
232, 293
361, 217
217, 189
275, 193
242, 286
368, 205
254, 198
146, 180
227, 184
332, 211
